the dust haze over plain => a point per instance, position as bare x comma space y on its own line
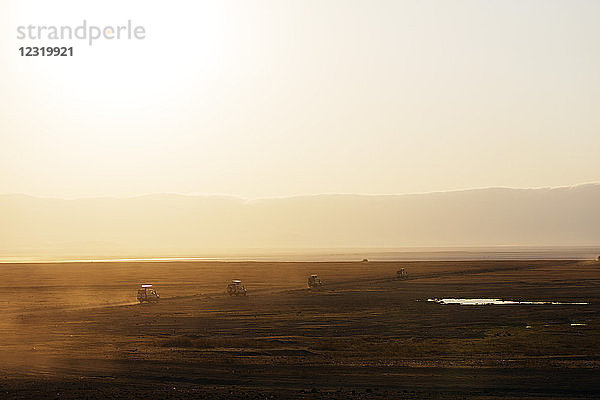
281, 102
202, 225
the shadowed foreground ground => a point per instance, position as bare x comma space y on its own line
74, 331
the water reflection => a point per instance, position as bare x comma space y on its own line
485, 302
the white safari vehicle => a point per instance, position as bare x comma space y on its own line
146, 293
235, 288
401, 274
314, 282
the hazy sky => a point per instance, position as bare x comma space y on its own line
271, 98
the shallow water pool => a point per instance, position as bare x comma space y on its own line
485, 302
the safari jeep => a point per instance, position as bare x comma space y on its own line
314, 282
147, 294
401, 274
235, 288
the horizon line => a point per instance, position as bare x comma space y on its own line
249, 199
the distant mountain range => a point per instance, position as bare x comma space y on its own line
197, 225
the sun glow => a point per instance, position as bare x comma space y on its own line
285, 98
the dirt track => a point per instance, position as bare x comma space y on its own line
363, 336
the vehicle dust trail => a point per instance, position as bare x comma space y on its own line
96, 306
17, 313
301, 287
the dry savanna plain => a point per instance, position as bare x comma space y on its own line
75, 330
